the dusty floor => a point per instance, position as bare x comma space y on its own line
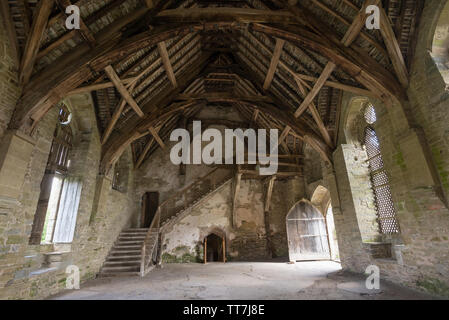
258, 280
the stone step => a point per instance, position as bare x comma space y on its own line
136, 230
125, 252
132, 237
126, 247
128, 243
118, 274
133, 234
125, 263
124, 257
121, 269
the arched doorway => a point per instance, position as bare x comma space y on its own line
214, 248
307, 233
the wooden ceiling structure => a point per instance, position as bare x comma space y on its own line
151, 64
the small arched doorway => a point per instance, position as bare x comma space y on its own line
214, 248
307, 233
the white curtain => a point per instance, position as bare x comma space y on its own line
68, 210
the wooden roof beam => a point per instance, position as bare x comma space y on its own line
274, 63
357, 24
162, 48
328, 83
100, 86
155, 134
360, 18
316, 89
40, 21
123, 91
84, 30
393, 48
225, 14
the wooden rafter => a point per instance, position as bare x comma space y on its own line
84, 30
99, 86
274, 63
123, 91
40, 20
155, 134
357, 24
316, 89
393, 48
225, 14
162, 48
295, 74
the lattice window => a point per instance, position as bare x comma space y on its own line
384, 202
58, 160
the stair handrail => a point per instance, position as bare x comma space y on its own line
146, 251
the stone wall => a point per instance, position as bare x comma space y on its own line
414, 145
24, 273
9, 74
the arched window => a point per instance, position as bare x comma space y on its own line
54, 185
386, 214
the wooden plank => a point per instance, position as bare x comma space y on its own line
123, 91
274, 63
40, 21
393, 48
162, 48
316, 88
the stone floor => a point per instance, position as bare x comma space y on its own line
258, 280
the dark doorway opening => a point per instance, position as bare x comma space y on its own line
214, 248
150, 203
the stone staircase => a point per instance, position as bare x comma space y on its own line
125, 256
174, 218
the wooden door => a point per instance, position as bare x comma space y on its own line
150, 203
307, 235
